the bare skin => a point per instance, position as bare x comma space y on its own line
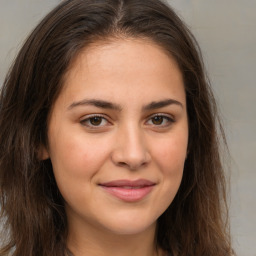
121, 119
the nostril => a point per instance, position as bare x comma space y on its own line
122, 164
132, 166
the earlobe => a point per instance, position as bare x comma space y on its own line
43, 153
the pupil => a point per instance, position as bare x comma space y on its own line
158, 120
95, 120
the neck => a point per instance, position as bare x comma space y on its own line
96, 242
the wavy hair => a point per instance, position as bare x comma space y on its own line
32, 209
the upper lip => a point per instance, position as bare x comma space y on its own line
128, 183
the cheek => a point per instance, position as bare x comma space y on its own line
171, 154
76, 161
170, 157
77, 155
172, 176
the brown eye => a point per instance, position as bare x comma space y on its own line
160, 120
157, 120
96, 120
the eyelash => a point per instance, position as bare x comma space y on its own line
89, 118
170, 120
88, 121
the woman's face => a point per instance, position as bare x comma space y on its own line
118, 136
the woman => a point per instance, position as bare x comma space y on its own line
108, 138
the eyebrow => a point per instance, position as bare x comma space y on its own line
109, 105
97, 103
160, 104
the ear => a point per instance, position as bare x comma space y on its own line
43, 153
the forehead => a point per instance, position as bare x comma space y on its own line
125, 66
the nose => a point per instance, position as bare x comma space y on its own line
130, 149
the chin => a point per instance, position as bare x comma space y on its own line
130, 226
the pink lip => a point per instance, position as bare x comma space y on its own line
128, 190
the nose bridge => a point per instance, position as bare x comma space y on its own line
131, 149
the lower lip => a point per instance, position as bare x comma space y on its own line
129, 194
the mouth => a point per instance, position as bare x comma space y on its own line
128, 190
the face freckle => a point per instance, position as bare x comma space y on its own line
119, 174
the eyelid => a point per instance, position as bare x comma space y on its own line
88, 117
163, 115
169, 118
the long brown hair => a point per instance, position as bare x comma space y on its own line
32, 207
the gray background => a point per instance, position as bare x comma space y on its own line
226, 31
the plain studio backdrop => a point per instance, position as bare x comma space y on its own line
226, 31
